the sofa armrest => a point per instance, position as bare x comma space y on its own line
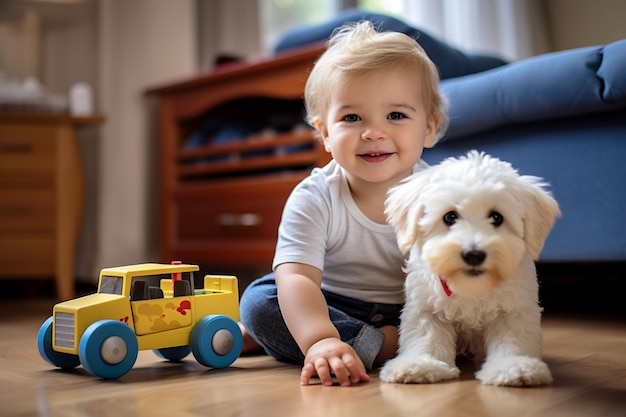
554, 85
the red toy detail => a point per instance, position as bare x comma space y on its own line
176, 276
184, 305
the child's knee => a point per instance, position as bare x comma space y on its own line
258, 306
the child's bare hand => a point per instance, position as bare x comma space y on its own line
333, 356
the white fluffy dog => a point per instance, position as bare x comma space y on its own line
472, 227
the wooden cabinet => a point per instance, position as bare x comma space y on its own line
41, 197
220, 202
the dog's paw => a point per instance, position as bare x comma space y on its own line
421, 370
515, 371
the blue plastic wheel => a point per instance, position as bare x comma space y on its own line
216, 341
173, 354
108, 349
54, 358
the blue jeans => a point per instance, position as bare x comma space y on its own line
355, 320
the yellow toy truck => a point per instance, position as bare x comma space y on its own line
145, 306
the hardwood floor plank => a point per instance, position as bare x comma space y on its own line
585, 355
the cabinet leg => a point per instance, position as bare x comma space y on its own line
65, 285
70, 194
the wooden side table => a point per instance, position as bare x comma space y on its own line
41, 196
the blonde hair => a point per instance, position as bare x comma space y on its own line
356, 48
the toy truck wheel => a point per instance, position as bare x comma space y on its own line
108, 349
216, 341
173, 354
54, 358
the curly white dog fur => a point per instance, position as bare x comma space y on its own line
473, 227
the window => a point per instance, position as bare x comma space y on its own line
111, 285
279, 16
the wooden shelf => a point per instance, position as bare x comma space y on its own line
220, 204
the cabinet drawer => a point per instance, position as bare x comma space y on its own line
27, 151
27, 209
27, 256
218, 216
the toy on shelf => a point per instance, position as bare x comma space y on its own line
140, 307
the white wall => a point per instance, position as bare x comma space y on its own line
141, 43
578, 23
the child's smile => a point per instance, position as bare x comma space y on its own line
375, 157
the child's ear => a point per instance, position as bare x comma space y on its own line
431, 131
323, 133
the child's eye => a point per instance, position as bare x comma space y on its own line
396, 115
351, 118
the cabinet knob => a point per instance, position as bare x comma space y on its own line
245, 219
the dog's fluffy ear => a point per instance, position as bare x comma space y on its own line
540, 213
404, 210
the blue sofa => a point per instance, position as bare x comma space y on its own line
561, 116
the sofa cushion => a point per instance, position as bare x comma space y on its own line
450, 61
560, 84
612, 72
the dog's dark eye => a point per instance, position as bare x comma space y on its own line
496, 218
450, 217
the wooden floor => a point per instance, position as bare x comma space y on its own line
587, 357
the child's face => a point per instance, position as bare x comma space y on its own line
377, 126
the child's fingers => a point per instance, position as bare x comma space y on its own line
322, 368
340, 370
308, 371
355, 368
332, 356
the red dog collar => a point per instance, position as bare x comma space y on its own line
446, 289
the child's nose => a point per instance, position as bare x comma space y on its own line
373, 132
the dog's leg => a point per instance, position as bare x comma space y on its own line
427, 352
513, 346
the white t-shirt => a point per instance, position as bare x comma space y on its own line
323, 227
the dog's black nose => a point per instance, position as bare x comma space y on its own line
474, 257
